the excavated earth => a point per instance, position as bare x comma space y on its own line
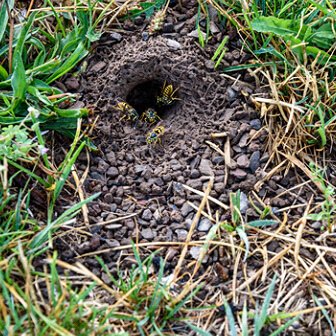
149, 181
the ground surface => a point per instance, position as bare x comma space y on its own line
148, 182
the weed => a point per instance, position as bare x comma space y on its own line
327, 215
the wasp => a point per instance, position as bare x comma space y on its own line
155, 135
129, 112
150, 116
167, 95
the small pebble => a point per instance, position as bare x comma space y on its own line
112, 172
147, 215
116, 37
243, 161
147, 233
186, 209
205, 167
243, 203
204, 225
174, 45
181, 234
254, 161
168, 28
238, 173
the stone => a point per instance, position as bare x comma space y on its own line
145, 36
106, 278
129, 158
204, 225
171, 253
194, 34
111, 158
218, 160
243, 161
181, 234
254, 161
205, 167
255, 124
243, 203
232, 94
72, 84
175, 216
196, 184
243, 140
238, 173
195, 173
147, 215
174, 45
219, 187
138, 169
209, 65
186, 209
168, 28
116, 37
147, 233
112, 172
195, 252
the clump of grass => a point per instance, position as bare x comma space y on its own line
327, 213
294, 46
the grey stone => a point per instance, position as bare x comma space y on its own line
205, 167
255, 161
111, 158
171, 253
316, 225
186, 209
181, 234
195, 252
129, 158
255, 124
112, 172
196, 184
168, 28
194, 34
139, 169
116, 37
204, 225
218, 160
232, 94
219, 187
195, 173
147, 215
243, 203
72, 84
238, 173
243, 161
174, 45
243, 140
147, 233
209, 65
145, 36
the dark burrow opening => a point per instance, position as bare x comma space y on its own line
144, 96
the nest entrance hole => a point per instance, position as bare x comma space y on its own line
144, 96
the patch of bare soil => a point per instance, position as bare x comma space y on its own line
213, 130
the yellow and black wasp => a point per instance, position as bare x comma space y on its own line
166, 96
129, 112
150, 116
153, 137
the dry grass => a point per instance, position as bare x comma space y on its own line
304, 260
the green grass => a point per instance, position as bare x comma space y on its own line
286, 38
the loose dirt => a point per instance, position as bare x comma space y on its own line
148, 182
